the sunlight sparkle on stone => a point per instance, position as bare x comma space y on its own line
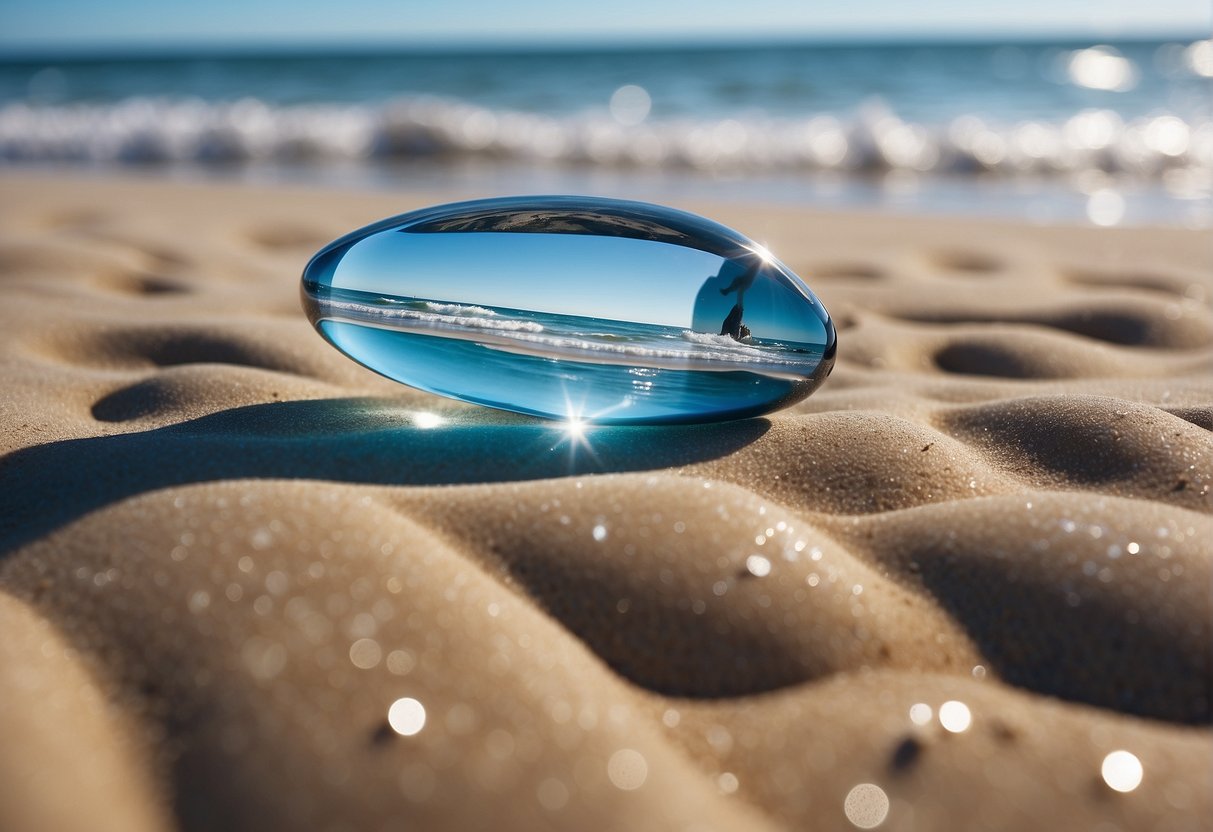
574, 431
764, 253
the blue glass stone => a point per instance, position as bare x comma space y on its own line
598, 310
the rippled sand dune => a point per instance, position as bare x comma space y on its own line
936, 595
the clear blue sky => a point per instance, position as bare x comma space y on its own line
617, 278
33, 24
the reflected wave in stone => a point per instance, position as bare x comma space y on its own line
595, 310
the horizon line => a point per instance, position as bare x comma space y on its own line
209, 47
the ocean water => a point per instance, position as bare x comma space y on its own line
572, 367
1107, 133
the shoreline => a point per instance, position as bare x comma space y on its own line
1037, 201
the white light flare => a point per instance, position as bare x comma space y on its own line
1122, 771
955, 717
427, 421
406, 716
1101, 68
764, 253
575, 428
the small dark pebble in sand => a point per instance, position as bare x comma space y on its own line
382, 734
1003, 732
905, 754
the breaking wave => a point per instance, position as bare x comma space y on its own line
443, 314
167, 130
646, 345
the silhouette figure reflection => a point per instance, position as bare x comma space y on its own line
732, 325
747, 293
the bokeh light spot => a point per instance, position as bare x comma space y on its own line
406, 716
627, 769
955, 716
866, 806
1122, 771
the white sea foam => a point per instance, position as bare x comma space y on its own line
193, 130
532, 337
443, 314
710, 340
457, 309
727, 351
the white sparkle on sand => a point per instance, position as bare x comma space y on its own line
866, 806
955, 717
758, 566
406, 716
1122, 771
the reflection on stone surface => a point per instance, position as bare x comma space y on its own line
587, 310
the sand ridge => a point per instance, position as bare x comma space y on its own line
250, 547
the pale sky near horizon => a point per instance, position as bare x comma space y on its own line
88, 24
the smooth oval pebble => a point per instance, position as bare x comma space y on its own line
575, 308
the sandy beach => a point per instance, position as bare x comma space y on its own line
248, 584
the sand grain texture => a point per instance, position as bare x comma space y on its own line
227, 550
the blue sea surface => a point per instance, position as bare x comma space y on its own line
569, 367
1106, 132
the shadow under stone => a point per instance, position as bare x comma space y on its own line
369, 441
